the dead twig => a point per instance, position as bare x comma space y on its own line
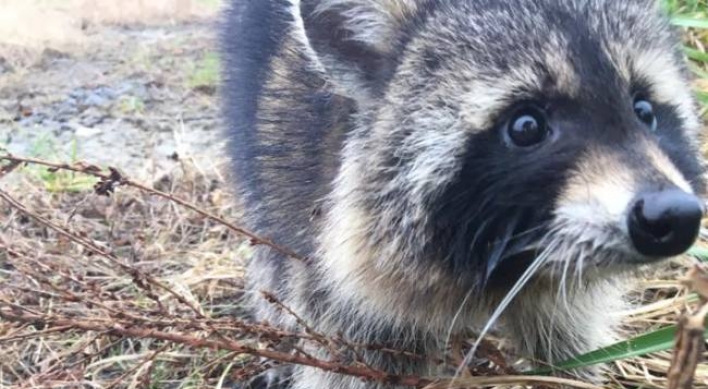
135, 368
355, 369
8, 168
126, 330
109, 181
690, 336
140, 279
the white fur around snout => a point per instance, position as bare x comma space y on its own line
601, 205
594, 206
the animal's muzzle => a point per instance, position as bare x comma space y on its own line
664, 223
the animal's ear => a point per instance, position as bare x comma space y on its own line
357, 40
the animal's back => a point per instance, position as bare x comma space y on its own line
285, 127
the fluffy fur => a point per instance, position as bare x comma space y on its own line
368, 135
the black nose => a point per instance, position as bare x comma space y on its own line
665, 223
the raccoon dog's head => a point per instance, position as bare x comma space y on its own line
492, 130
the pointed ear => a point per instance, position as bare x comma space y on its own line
357, 40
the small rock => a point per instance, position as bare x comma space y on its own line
93, 117
95, 100
50, 53
50, 56
5, 66
82, 131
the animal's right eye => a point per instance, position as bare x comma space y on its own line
528, 127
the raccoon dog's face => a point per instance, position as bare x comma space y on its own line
499, 133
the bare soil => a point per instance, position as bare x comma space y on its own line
131, 95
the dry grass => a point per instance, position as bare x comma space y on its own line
39, 268
659, 300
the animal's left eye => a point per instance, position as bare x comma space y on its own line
645, 112
528, 127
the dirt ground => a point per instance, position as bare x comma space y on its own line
119, 93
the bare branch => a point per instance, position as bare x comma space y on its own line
109, 181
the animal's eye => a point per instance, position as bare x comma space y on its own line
527, 127
645, 112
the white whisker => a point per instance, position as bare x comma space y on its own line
563, 287
457, 316
513, 292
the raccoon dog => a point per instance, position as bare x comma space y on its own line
452, 164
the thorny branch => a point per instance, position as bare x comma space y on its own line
109, 181
130, 330
366, 373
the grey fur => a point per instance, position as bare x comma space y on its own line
352, 130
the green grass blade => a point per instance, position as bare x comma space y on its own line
699, 252
688, 21
702, 97
696, 55
698, 71
650, 342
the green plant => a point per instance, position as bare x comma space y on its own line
61, 181
205, 73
